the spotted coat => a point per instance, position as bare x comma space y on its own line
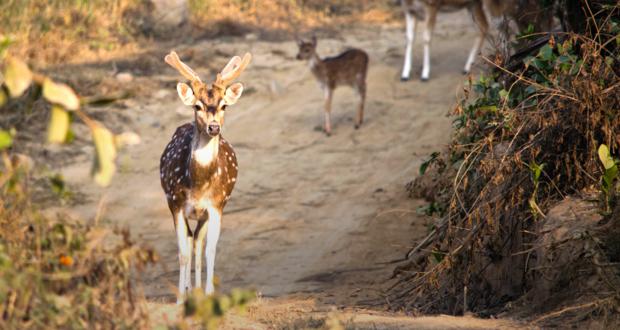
189, 185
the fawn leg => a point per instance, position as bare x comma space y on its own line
328, 109
361, 90
481, 20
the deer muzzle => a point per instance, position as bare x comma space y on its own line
213, 129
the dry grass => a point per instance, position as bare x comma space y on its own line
69, 31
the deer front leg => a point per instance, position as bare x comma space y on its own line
199, 236
185, 255
428, 32
361, 90
411, 24
213, 235
481, 20
328, 109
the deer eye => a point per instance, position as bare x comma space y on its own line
198, 106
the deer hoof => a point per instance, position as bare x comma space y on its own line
404, 78
465, 72
424, 79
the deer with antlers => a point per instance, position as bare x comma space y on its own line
198, 168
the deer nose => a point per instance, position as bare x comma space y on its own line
213, 129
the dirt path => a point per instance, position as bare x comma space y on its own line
312, 218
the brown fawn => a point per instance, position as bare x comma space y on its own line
198, 168
348, 68
523, 11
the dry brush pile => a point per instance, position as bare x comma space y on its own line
508, 236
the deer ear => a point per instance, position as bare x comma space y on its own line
186, 94
233, 93
313, 40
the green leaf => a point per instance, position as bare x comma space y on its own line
60, 94
58, 126
105, 154
536, 170
6, 140
605, 157
438, 255
427, 162
545, 53
5, 42
17, 76
488, 108
503, 94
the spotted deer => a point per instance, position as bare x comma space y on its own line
522, 11
198, 168
346, 69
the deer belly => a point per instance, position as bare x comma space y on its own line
197, 208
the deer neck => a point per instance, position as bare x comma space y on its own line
203, 160
316, 65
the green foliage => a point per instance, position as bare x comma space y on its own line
536, 171
6, 139
610, 175
427, 162
432, 208
208, 311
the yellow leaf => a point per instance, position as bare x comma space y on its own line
58, 125
60, 94
605, 157
17, 76
105, 154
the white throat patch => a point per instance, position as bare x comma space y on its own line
206, 154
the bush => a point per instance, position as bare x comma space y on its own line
55, 273
525, 138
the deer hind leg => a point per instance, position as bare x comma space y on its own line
481, 20
411, 24
213, 234
429, 26
185, 255
199, 236
361, 90
328, 109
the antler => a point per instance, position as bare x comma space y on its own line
232, 70
184, 70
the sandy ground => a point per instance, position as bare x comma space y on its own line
312, 218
